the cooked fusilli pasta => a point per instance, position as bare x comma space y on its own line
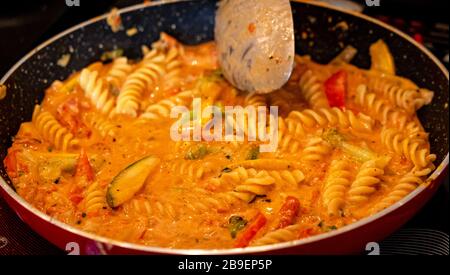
414, 149
406, 185
99, 153
332, 117
281, 235
312, 91
51, 130
97, 91
94, 198
367, 180
407, 98
145, 77
118, 72
336, 186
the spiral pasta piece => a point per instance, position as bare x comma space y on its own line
165, 209
210, 200
94, 198
190, 168
131, 230
97, 91
291, 127
173, 64
281, 235
367, 180
101, 124
163, 107
287, 143
414, 149
118, 72
144, 77
237, 175
52, 131
312, 91
378, 108
254, 99
248, 183
150, 208
333, 117
139, 206
406, 185
316, 150
408, 99
336, 186
291, 177
256, 185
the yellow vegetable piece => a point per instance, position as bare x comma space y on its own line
382, 59
130, 180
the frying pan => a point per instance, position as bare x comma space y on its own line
192, 22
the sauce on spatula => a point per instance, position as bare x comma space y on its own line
255, 42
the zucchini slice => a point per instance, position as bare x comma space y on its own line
129, 181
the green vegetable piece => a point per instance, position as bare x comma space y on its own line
253, 153
236, 224
337, 140
331, 228
129, 181
197, 153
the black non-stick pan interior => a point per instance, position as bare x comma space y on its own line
192, 23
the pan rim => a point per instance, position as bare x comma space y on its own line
259, 249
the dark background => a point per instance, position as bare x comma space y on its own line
26, 24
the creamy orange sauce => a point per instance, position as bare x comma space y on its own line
176, 207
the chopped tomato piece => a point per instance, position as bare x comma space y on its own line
306, 233
251, 27
249, 233
335, 89
68, 114
289, 210
84, 168
204, 56
172, 91
10, 163
76, 198
169, 40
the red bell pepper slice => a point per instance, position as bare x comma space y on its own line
289, 210
335, 89
10, 163
84, 168
249, 233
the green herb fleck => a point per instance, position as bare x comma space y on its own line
331, 228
